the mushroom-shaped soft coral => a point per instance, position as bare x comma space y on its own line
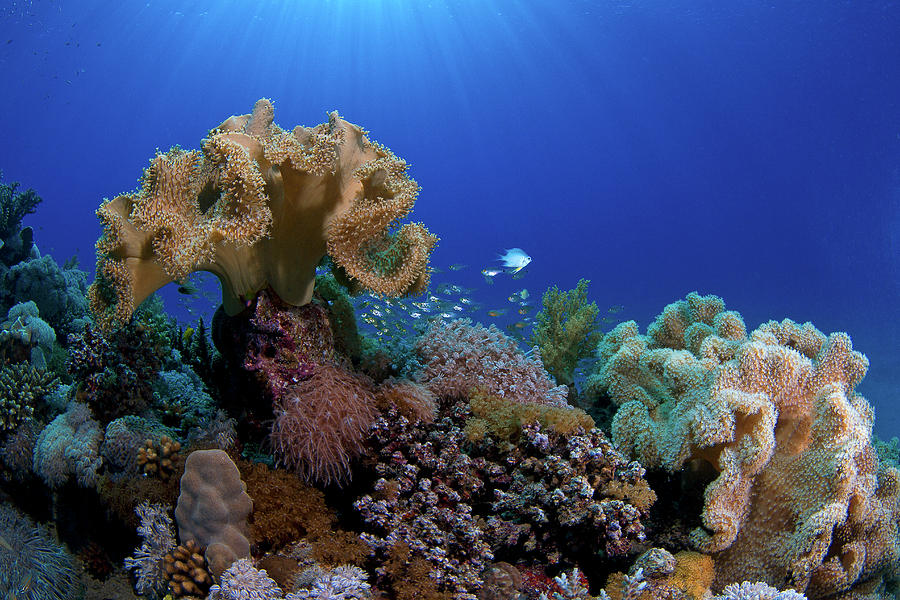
259, 207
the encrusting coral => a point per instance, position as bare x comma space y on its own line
800, 496
260, 207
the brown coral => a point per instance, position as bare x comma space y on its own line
259, 207
185, 571
158, 458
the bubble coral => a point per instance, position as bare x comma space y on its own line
260, 207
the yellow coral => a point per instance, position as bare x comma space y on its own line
259, 207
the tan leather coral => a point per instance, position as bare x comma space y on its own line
259, 207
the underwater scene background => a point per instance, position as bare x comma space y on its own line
546, 299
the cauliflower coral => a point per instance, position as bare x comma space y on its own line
260, 207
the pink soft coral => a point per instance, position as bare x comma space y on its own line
322, 422
459, 356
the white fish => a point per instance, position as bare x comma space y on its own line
515, 259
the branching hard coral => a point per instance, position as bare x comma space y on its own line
566, 330
158, 535
33, 565
453, 503
115, 370
800, 496
260, 207
459, 357
21, 386
186, 572
320, 424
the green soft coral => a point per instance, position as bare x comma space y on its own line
566, 330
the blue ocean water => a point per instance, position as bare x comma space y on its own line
746, 149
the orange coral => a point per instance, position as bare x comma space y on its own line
259, 207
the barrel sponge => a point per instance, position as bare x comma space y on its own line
260, 207
800, 495
213, 507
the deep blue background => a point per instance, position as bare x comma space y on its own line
741, 148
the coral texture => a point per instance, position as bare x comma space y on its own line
321, 423
460, 357
158, 537
566, 330
800, 496
116, 370
33, 565
243, 581
260, 207
69, 445
213, 508
60, 293
21, 385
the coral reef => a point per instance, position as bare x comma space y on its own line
59, 293
24, 335
243, 581
453, 504
321, 423
33, 565
213, 507
115, 370
158, 535
156, 458
69, 445
459, 357
185, 571
566, 330
21, 386
17, 244
260, 207
800, 495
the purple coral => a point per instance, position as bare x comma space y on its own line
757, 591
459, 356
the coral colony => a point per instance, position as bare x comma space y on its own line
283, 452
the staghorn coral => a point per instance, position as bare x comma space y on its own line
260, 207
320, 424
213, 508
800, 496
33, 565
566, 330
459, 357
